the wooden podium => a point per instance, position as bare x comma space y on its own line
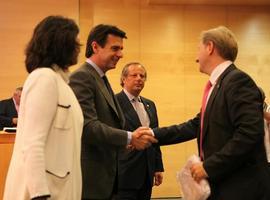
6, 148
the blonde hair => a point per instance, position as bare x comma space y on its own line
224, 41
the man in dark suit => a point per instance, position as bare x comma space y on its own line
137, 169
103, 119
9, 110
229, 128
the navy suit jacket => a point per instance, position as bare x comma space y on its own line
135, 167
233, 132
7, 112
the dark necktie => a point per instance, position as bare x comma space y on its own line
204, 103
108, 86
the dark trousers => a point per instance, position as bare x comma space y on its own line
143, 193
113, 195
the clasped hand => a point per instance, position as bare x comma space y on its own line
142, 138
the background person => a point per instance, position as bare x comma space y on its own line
9, 110
267, 132
266, 114
137, 169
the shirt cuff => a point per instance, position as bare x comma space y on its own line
129, 137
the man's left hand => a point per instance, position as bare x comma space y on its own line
158, 177
197, 171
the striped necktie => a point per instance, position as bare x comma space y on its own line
142, 114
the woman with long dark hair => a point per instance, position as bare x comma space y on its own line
46, 158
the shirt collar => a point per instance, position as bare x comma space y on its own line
130, 96
218, 71
99, 71
14, 102
16, 105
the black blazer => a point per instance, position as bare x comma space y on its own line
135, 167
233, 132
7, 112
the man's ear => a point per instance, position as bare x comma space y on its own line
95, 46
210, 46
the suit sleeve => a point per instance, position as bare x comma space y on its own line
158, 154
4, 120
244, 108
178, 133
95, 131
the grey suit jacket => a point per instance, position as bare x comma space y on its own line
102, 135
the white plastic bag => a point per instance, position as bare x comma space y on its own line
190, 188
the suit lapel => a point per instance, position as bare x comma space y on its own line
213, 96
129, 110
147, 108
100, 84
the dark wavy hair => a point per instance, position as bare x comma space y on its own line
99, 34
54, 41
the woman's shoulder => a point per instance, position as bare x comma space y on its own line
41, 76
44, 71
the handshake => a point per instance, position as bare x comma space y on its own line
142, 138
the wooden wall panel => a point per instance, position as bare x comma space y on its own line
209, 2
17, 21
164, 38
252, 28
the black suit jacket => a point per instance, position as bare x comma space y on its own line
233, 132
135, 167
7, 112
102, 133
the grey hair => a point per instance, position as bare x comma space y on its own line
124, 73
